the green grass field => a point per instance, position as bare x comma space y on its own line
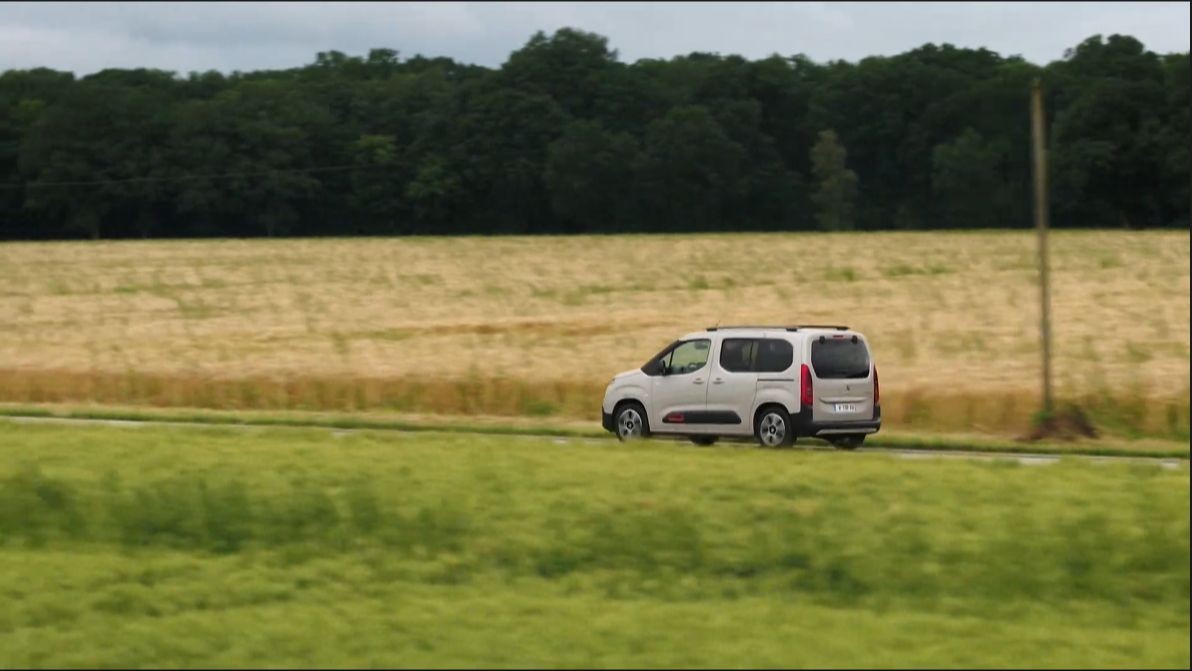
128, 547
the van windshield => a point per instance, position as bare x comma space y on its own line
840, 359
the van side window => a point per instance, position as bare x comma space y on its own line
737, 354
654, 365
774, 355
756, 355
688, 356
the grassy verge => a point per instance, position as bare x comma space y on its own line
171, 546
1114, 446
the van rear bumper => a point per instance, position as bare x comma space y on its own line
606, 420
805, 427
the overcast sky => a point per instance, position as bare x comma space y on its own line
184, 37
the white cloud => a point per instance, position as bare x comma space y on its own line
86, 37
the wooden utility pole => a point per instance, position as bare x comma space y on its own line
1039, 141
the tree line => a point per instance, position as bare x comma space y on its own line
565, 138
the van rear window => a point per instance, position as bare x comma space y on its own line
839, 359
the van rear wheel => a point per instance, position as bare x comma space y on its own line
850, 442
773, 428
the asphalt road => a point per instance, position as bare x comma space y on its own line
1022, 458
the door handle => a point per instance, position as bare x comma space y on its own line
697, 381
718, 381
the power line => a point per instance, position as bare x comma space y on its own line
183, 178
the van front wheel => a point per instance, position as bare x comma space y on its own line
631, 422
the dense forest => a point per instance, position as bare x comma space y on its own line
566, 138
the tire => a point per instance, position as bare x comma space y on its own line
631, 422
704, 441
772, 427
849, 442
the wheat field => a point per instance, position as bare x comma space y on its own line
537, 325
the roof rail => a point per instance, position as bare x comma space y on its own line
780, 328
760, 328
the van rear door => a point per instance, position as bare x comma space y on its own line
842, 378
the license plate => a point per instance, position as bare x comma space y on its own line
846, 407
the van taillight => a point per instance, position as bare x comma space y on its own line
805, 393
877, 396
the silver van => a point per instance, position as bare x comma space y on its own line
774, 383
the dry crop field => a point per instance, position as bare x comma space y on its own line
537, 325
